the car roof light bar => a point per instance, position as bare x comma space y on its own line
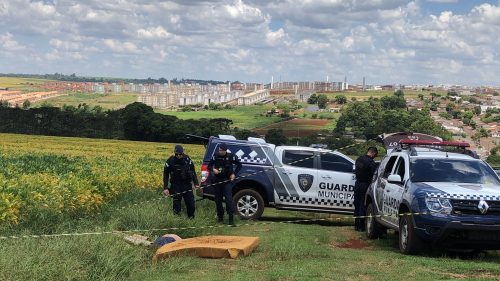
434, 143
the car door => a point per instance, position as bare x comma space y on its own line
381, 184
300, 176
336, 181
393, 192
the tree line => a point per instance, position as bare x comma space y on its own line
136, 121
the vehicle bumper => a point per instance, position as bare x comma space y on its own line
455, 232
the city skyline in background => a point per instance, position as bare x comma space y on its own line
385, 42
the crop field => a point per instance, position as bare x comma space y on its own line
106, 101
297, 127
244, 117
103, 190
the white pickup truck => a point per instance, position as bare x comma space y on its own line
285, 177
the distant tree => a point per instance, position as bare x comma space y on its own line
477, 110
399, 93
276, 136
393, 102
433, 95
341, 99
421, 96
313, 99
4, 103
322, 101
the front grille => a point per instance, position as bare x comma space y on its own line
469, 207
474, 235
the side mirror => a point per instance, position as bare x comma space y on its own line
395, 179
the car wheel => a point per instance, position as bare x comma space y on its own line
248, 204
409, 243
373, 229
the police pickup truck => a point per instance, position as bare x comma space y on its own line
285, 177
436, 197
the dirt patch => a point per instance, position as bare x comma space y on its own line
352, 243
296, 127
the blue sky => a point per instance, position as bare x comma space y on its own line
386, 41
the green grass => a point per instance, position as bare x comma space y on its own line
304, 251
21, 84
300, 251
106, 101
244, 117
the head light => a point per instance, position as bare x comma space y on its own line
438, 205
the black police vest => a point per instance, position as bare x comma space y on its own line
224, 164
181, 170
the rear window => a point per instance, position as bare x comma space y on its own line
449, 170
304, 159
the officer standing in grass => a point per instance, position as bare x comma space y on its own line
365, 168
180, 170
221, 168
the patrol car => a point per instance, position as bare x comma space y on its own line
453, 198
285, 177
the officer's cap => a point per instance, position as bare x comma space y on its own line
178, 149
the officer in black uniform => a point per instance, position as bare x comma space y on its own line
221, 168
180, 170
365, 168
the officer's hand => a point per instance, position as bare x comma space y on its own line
215, 171
196, 186
232, 177
166, 192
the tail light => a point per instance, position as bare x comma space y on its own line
204, 173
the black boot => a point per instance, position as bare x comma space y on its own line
231, 220
220, 219
356, 224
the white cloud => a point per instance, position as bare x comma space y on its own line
250, 40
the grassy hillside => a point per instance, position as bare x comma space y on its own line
317, 250
22, 84
106, 101
245, 117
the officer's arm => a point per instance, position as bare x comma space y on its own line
193, 172
236, 161
166, 174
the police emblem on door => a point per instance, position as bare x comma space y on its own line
305, 182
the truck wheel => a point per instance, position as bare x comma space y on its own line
248, 204
373, 229
409, 243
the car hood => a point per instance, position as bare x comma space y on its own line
460, 189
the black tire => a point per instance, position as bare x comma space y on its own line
373, 229
248, 204
409, 242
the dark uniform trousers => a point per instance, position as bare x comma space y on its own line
224, 188
360, 189
179, 191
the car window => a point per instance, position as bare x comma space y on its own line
304, 159
452, 170
400, 168
333, 162
389, 166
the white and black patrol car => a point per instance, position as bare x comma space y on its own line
285, 177
453, 198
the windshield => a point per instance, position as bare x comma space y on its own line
449, 170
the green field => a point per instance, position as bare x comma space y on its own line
106, 101
315, 250
21, 84
245, 117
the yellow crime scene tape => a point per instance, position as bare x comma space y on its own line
200, 227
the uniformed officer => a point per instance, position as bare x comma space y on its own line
180, 170
221, 167
365, 168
